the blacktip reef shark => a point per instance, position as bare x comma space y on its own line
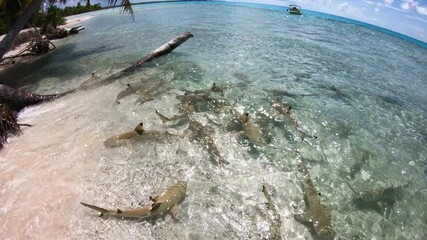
286, 111
195, 99
215, 88
202, 99
275, 220
202, 135
361, 158
252, 131
187, 109
145, 91
166, 202
280, 93
316, 216
379, 200
139, 133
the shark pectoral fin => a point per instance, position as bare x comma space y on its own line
143, 100
154, 206
302, 218
174, 212
385, 207
164, 118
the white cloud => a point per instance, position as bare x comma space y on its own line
388, 2
408, 4
377, 9
405, 6
412, 4
421, 10
379, 4
347, 8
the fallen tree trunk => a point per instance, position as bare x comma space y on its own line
163, 50
54, 33
17, 99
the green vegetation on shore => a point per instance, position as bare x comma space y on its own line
52, 16
68, 11
18, 14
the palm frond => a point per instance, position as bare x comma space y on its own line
126, 4
8, 124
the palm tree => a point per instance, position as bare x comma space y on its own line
126, 4
32, 8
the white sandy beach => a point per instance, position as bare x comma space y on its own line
74, 20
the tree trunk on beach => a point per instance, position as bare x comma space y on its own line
17, 26
162, 50
17, 99
7, 41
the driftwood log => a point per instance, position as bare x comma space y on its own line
38, 45
163, 50
58, 33
17, 99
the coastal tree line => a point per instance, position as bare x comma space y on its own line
18, 14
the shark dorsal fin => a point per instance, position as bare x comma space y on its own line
139, 128
154, 199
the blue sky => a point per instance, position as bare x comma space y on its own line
408, 17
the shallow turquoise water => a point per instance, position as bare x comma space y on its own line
367, 93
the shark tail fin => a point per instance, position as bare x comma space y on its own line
163, 117
101, 210
351, 188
